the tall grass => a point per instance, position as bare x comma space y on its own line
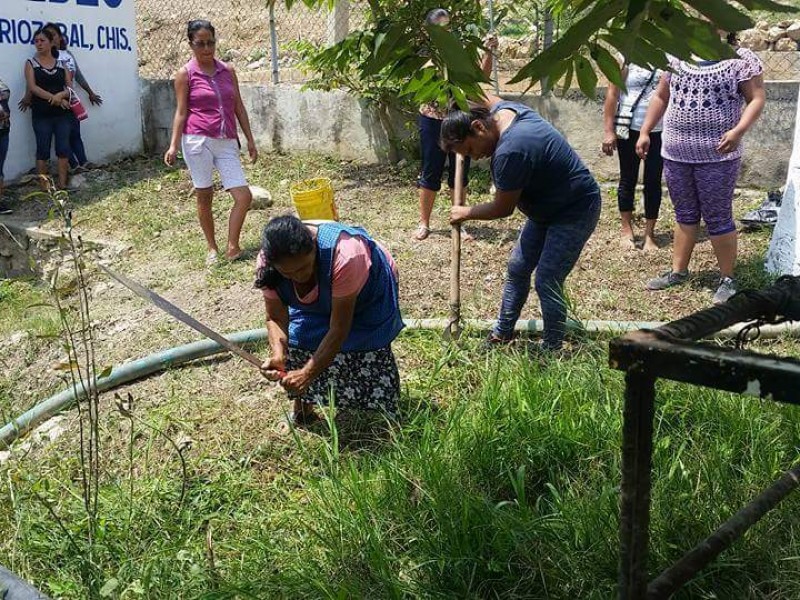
512, 493
501, 482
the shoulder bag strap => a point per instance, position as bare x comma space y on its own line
644, 89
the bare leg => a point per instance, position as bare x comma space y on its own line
626, 238
426, 200
41, 169
241, 204
685, 238
725, 251
204, 197
649, 235
63, 172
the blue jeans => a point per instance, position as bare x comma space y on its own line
3, 150
45, 128
78, 155
552, 249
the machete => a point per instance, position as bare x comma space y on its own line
176, 312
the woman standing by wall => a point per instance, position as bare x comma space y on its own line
208, 106
48, 81
77, 159
707, 107
631, 107
5, 127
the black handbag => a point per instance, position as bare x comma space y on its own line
622, 122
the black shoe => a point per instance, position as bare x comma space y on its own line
5, 209
494, 342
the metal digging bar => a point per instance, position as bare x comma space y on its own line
672, 352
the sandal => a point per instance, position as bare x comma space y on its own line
422, 232
211, 258
302, 419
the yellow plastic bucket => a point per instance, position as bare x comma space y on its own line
313, 199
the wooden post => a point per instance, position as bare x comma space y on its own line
453, 330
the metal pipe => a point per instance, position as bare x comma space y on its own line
674, 577
637, 458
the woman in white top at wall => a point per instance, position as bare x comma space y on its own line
640, 84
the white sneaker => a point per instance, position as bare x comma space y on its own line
726, 289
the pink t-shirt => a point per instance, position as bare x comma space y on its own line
351, 264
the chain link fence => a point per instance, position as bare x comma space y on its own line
243, 34
781, 66
244, 29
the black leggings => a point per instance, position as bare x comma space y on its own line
629, 174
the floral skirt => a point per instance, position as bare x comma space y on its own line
358, 380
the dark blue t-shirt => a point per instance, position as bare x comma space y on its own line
532, 156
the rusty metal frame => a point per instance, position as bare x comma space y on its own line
673, 352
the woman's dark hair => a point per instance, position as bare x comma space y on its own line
436, 14
45, 32
196, 25
732, 38
283, 237
56, 29
457, 126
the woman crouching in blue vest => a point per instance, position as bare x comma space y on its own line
331, 295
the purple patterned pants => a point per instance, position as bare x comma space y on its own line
703, 190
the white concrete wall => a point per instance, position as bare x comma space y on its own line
334, 123
284, 119
102, 37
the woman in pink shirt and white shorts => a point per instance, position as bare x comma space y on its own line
208, 106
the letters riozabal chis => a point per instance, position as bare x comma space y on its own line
79, 35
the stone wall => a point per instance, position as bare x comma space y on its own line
286, 119
21, 252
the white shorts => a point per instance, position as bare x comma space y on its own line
202, 153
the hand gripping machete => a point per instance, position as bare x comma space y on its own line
176, 312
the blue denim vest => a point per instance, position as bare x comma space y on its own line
377, 319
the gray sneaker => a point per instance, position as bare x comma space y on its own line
667, 280
726, 289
